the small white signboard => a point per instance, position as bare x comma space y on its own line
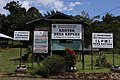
21, 35
66, 31
102, 40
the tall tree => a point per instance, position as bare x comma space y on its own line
113, 23
16, 19
33, 14
2, 20
14, 7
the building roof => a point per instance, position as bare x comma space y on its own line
5, 36
60, 15
57, 17
36, 20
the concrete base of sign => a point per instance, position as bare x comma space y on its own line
21, 69
116, 68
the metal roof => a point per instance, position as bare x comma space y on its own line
5, 36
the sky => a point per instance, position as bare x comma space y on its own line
70, 7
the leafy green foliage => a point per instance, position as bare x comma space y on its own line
33, 14
50, 13
51, 65
14, 7
101, 61
2, 20
18, 17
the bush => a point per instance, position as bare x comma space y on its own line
101, 61
70, 57
51, 65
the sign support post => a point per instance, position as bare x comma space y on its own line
113, 57
21, 54
82, 47
32, 58
82, 54
91, 58
21, 35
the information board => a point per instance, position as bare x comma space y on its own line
21, 35
40, 43
102, 40
66, 31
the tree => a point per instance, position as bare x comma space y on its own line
16, 19
14, 7
2, 19
108, 18
87, 28
50, 13
33, 14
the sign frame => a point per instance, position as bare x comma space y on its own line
40, 42
102, 40
22, 35
66, 31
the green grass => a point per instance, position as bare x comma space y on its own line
6, 65
88, 67
6, 60
5, 55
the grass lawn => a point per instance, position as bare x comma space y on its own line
6, 65
5, 55
88, 67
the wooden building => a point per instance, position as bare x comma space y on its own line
57, 42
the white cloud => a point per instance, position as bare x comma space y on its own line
73, 4
2, 4
60, 5
52, 4
26, 4
45, 2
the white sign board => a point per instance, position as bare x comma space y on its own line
21, 35
66, 31
40, 43
102, 40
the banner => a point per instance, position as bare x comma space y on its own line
21, 35
66, 31
102, 40
40, 44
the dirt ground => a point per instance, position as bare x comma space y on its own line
67, 76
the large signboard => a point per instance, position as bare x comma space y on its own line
66, 31
102, 40
21, 35
40, 44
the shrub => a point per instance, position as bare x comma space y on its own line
51, 65
43, 70
101, 61
70, 57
